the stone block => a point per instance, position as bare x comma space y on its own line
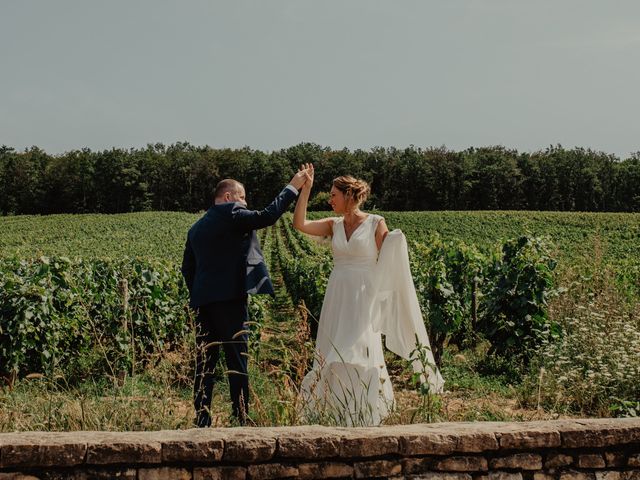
441, 476
193, 451
574, 475
598, 433
591, 460
417, 465
528, 436
368, 443
308, 446
17, 476
608, 475
543, 476
249, 448
518, 461
433, 439
630, 475
428, 444
477, 442
164, 473
462, 464
555, 460
219, 473
267, 471
81, 473
615, 459
324, 470
129, 448
504, 476
202, 445
29, 450
377, 468
634, 460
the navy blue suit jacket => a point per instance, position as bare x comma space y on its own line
222, 258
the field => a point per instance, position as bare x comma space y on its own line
614, 237
116, 363
147, 234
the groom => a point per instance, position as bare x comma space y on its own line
223, 263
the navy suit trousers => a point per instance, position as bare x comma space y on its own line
217, 326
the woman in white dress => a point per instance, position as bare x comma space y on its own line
368, 294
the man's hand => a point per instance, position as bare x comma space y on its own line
299, 179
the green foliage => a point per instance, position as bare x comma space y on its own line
87, 316
625, 408
429, 406
446, 275
514, 312
320, 202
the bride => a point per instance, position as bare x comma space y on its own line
370, 292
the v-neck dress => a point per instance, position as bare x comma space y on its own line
349, 381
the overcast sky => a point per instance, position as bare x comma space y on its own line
270, 74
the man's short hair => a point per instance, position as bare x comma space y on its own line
226, 185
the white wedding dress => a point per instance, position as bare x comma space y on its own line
367, 295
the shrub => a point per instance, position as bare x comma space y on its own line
84, 316
514, 315
447, 275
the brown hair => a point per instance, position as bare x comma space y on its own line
353, 188
226, 185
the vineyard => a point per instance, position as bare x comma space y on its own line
527, 306
580, 239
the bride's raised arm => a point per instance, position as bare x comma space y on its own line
319, 228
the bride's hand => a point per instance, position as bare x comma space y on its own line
308, 168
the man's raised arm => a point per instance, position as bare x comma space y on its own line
245, 219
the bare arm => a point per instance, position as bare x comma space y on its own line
381, 233
319, 228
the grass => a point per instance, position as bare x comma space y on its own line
157, 400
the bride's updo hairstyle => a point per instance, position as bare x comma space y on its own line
353, 188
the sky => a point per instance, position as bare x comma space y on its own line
339, 73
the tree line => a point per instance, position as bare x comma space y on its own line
181, 177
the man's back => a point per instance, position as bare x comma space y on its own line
222, 259
220, 253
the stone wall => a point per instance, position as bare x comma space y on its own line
601, 449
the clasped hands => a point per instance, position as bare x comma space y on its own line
304, 177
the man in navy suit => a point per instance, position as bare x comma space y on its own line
223, 263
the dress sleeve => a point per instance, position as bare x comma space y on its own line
334, 221
375, 220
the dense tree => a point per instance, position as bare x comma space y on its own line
183, 176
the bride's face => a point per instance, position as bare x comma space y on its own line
337, 200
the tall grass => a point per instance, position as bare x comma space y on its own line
591, 366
